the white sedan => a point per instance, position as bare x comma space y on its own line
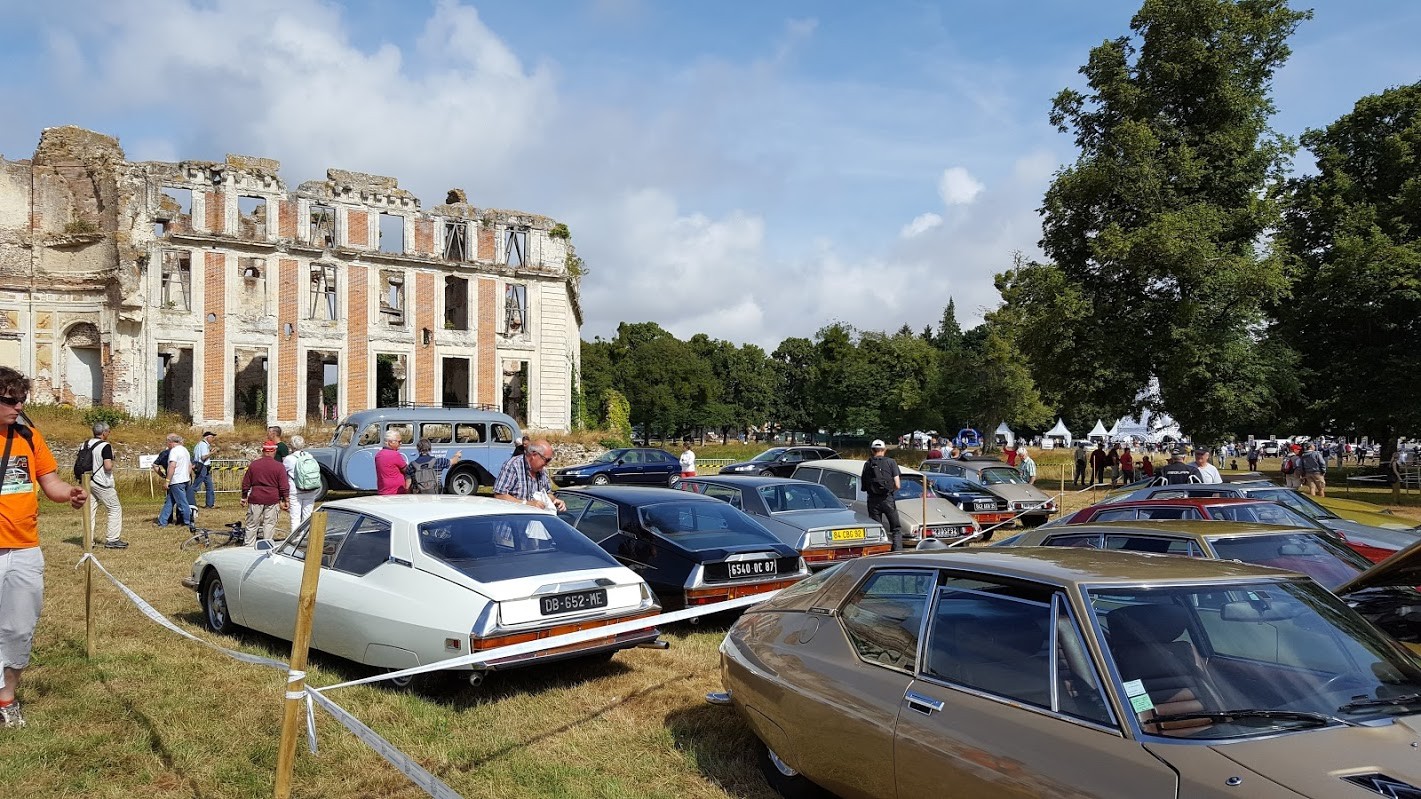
413, 580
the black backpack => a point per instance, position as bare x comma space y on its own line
880, 480
424, 477
84, 460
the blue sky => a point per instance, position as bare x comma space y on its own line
750, 170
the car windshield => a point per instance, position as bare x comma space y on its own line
1002, 474
768, 455
1260, 513
704, 525
1327, 561
787, 497
610, 456
1298, 502
507, 547
1281, 655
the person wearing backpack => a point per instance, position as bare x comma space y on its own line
880, 479
95, 458
425, 474
304, 474
1291, 478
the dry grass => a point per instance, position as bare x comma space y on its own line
158, 716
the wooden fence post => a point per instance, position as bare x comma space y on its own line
88, 568
300, 645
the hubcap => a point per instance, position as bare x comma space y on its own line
462, 484
216, 605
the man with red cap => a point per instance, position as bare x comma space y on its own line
265, 489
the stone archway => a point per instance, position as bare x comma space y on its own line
83, 366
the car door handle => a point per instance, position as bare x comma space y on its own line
923, 704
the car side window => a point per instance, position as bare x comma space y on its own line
1167, 513
882, 618
955, 471
1085, 540
575, 503
364, 549
599, 520
793, 456
725, 494
405, 429
1163, 545
437, 432
370, 435
1116, 515
502, 433
993, 637
338, 524
842, 484
468, 433
811, 475
630, 457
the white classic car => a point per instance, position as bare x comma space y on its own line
413, 580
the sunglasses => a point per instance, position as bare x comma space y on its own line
12, 401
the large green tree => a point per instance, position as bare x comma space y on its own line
1152, 232
1353, 239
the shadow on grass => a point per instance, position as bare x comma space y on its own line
722, 747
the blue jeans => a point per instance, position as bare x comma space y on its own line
177, 498
204, 477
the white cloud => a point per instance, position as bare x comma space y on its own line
921, 224
958, 187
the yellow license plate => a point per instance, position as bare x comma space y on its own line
854, 534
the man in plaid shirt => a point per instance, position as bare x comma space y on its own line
524, 479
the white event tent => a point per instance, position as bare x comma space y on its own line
1005, 437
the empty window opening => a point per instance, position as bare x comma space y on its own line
515, 391
177, 280
392, 233
322, 386
389, 380
456, 383
160, 229
515, 308
174, 211
251, 268
175, 372
251, 217
252, 299
392, 297
323, 292
515, 246
456, 241
249, 390
456, 303
323, 225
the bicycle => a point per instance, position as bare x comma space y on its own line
205, 538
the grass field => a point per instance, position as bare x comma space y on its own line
158, 716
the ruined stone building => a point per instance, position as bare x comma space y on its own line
209, 290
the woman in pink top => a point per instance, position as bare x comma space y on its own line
390, 466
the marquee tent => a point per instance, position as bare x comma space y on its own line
1059, 433
1005, 437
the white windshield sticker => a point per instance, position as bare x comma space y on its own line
1134, 688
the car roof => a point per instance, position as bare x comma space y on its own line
419, 508
361, 418
1068, 566
1180, 528
849, 465
639, 495
745, 481
1190, 501
975, 462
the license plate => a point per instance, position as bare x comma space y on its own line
852, 534
985, 505
578, 600
751, 568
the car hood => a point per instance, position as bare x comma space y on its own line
827, 517
1401, 569
1365, 513
1311, 763
940, 511
1382, 537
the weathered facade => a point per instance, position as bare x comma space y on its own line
210, 290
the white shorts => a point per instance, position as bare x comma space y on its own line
21, 599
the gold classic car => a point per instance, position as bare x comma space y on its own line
1068, 672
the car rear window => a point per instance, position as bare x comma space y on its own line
1329, 563
704, 525
507, 547
797, 496
1001, 474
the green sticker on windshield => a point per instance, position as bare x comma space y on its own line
1141, 703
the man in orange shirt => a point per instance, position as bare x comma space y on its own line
26, 467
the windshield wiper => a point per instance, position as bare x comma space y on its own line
1226, 716
1364, 704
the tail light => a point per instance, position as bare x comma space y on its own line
723, 593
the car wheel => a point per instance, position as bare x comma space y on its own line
784, 779
600, 479
215, 612
672, 480
400, 683
1032, 521
464, 483
987, 536
767, 473
325, 487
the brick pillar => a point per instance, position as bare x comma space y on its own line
485, 242
214, 337
357, 229
489, 385
288, 350
217, 212
286, 219
357, 342
425, 357
424, 237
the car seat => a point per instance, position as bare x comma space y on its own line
1144, 640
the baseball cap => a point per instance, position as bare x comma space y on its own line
269, 446
208, 433
1200, 451
878, 444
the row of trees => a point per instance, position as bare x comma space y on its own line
841, 380
1181, 252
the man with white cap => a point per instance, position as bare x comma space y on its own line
880, 479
